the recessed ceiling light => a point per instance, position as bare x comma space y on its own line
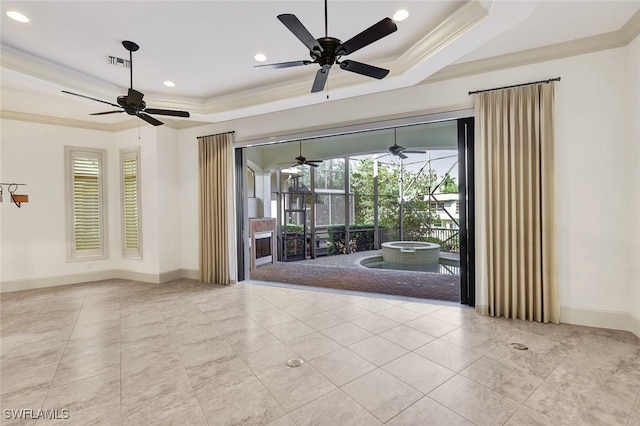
260, 57
169, 83
17, 16
400, 15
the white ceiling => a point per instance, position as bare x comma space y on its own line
207, 49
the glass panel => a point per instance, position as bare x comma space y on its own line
294, 235
251, 183
363, 210
337, 209
323, 210
329, 175
389, 219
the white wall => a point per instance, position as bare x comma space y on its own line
167, 201
33, 237
189, 220
634, 113
146, 138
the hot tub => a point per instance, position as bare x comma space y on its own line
411, 252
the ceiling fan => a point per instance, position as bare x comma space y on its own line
301, 160
132, 103
400, 151
326, 51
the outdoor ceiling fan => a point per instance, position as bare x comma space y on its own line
132, 102
400, 151
327, 51
301, 160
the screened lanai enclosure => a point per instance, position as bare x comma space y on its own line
385, 199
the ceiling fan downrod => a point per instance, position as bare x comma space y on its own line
131, 47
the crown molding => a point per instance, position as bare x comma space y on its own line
260, 100
297, 92
450, 29
611, 40
67, 122
36, 67
631, 29
92, 125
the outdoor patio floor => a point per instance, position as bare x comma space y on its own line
344, 272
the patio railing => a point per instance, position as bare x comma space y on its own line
361, 238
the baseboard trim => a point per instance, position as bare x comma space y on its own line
635, 325
601, 319
192, 274
163, 277
31, 284
167, 276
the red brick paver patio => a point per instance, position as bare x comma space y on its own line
345, 273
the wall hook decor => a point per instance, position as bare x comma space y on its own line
17, 199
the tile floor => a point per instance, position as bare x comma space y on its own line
130, 353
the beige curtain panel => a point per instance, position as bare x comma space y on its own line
216, 206
515, 210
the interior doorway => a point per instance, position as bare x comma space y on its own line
369, 204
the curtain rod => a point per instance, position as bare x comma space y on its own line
216, 134
515, 85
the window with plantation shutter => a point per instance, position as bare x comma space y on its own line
130, 189
86, 192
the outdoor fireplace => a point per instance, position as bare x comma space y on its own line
263, 241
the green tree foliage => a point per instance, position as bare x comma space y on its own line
417, 186
449, 185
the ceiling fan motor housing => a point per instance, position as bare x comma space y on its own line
329, 51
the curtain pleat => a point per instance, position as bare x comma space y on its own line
517, 267
216, 179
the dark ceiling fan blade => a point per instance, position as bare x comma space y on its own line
314, 161
88, 97
149, 119
368, 36
283, 65
401, 155
320, 80
107, 112
170, 112
295, 26
134, 98
364, 69
311, 164
414, 152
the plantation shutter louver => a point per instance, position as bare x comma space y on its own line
130, 204
86, 206
86, 209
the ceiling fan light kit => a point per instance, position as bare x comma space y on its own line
327, 51
132, 102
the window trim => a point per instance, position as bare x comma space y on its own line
128, 253
70, 153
